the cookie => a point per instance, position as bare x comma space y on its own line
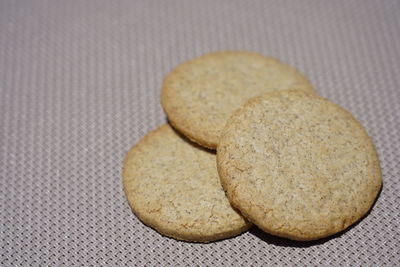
173, 186
200, 95
297, 165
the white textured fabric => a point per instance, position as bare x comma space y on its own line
80, 84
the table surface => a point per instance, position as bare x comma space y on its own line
80, 84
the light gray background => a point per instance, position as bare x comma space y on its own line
80, 84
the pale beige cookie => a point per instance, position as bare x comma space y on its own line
200, 95
297, 165
173, 186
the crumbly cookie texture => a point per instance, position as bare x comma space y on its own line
297, 165
173, 186
200, 95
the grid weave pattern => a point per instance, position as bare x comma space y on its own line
80, 84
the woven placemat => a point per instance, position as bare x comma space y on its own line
80, 84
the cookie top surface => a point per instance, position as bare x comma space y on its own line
173, 186
297, 165
200, 95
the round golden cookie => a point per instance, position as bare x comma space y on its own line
200, 95
297, 165
173, 186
